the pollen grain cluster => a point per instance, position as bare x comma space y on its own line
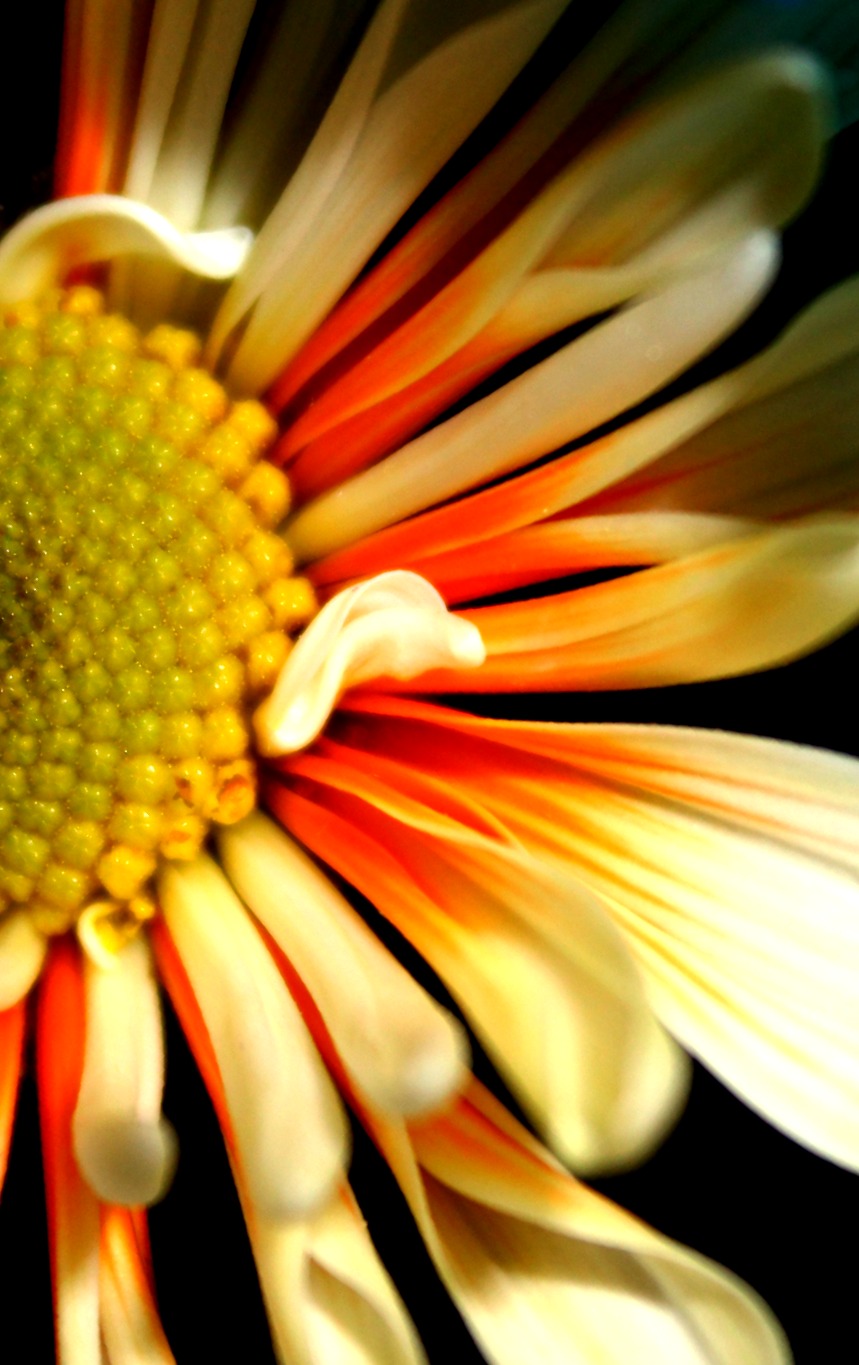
145, 603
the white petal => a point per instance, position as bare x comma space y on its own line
404, 1052
289, 1126
42, 248
124, 1148
22, 952
395, 625
585, 383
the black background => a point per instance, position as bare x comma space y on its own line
724, 1182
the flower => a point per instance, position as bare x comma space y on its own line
572, 885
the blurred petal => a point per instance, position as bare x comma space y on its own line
542, 1268
125, 1149
394, 625
615, 365
12, 1023
129, 1318
327, 1278
529, 954
290, 1130
401, 1049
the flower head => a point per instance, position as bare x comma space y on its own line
280, 451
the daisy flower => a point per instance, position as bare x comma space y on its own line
333, 380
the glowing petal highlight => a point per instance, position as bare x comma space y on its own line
42, 248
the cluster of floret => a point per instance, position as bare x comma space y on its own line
145, 603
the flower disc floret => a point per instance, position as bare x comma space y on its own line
146, 602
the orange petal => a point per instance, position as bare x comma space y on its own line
11, 1049
129, 1315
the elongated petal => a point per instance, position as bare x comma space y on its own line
129, 1318
289, 1128
729, 862
382, 141
125, 1149
749, 604
403, 1051
660, 196
529, 955
394, 625
41, 249
22, 952
73, 1215
588, 381
327, 1278
544, 1269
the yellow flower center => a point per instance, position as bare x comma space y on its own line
145, 602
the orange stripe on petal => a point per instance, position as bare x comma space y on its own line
11, 1048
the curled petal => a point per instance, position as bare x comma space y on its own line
395, 625
542, 1268
290, 1130
125, 1149
129, 1317
40, 250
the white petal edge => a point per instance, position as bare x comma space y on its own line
124, 1148
43, 247
290, 1129
22, 952
395, 625
404, 1052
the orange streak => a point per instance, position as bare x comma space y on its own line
11, 1049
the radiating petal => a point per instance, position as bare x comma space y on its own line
394, 625
125, 1149
749, 604
404, 1052
129, 1318
40, 250
73, 1215
380, 143
530, 956
615, 365
730, 862
289, 1127
544, 1269
22, 952
660, 195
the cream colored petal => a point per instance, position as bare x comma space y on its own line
401, 1049
746, 605
532, 959
789, 444
731, 864
396, 624
130, 1325
22, 952
328, 1296
657, 197
125, 1149
290, 1129
544, 1269
587, 382
421, 81
42, 248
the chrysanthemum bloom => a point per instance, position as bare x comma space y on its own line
228, 567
